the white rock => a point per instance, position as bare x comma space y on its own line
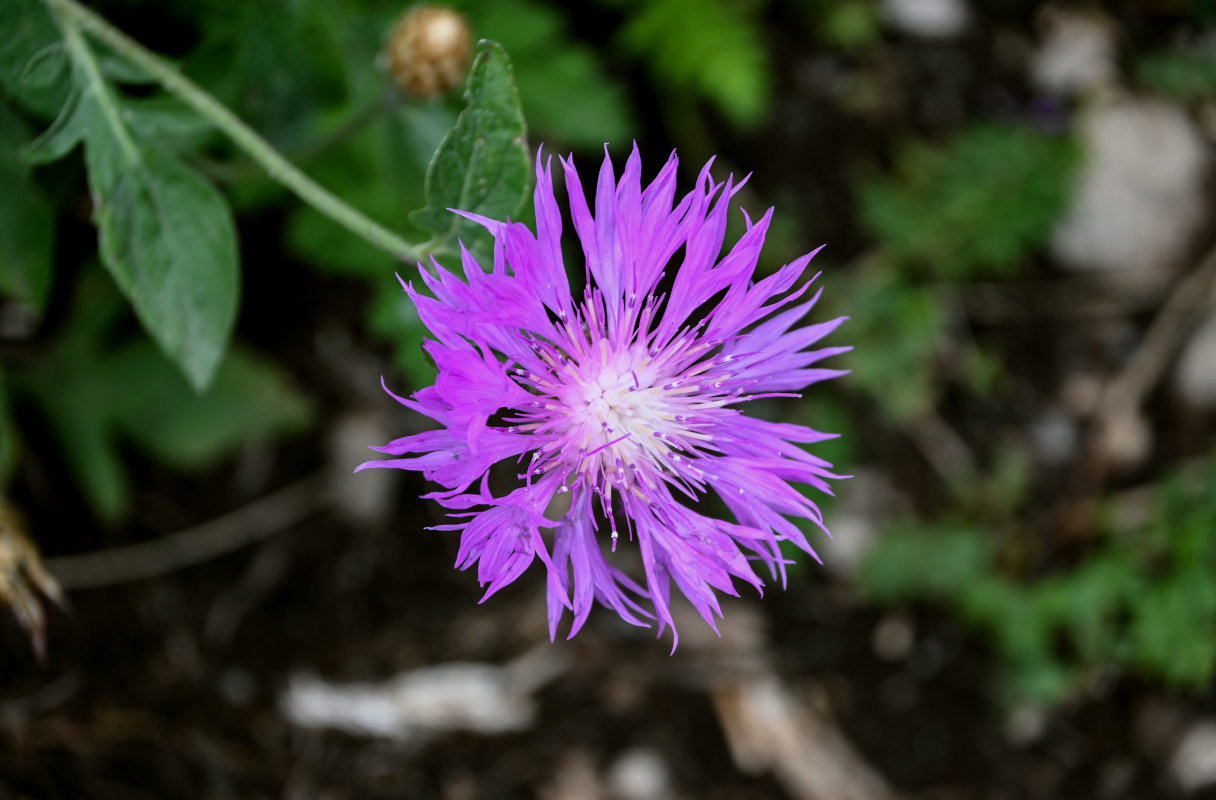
1193, 763
926, 19
1139, 200
452, 697
1054, 436
367, 498
1195, 376
1077, 52
640, 774
415, 705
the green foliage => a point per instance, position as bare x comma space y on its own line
847, 25
903, 324
1145, 601
301, 70
483, 165
1185, 75
96, 395
27, 222
167, 236
480, 163
974, 208
712, 48
567, 97
278, 63
33, 69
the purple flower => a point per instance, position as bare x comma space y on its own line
622, 412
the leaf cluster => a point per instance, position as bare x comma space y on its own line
712, 49
163, 187
1143, 602
976, 207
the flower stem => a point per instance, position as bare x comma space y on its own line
74, 16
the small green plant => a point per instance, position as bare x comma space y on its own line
1184, 75
1143, 602
976, 207
713, 49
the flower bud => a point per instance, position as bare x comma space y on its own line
428, 50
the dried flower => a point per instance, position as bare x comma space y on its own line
428, 51
626, 404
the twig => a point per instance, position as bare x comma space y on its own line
1144, 369
262, 518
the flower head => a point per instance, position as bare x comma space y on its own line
623, 412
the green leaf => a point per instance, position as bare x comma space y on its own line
168, 122
27, 222
483, 165
167, 236
566, 91
32, 64
67, 131
96, 398
250, 398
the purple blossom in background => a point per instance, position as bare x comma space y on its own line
620, 412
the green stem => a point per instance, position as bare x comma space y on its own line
72, 15
82, 59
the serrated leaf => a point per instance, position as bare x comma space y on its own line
563, 83
27, 222
483, 165
168, 238
166, 235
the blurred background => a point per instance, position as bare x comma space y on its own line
1020, 601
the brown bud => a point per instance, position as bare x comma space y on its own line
428, 50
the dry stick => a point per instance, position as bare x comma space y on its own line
1127, 391
244, 526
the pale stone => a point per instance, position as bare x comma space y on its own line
1195, 376
640, 774
1193, 764
926, 19
1077, 52
1139, 200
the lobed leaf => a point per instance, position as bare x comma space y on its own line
166, 234
482, 166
